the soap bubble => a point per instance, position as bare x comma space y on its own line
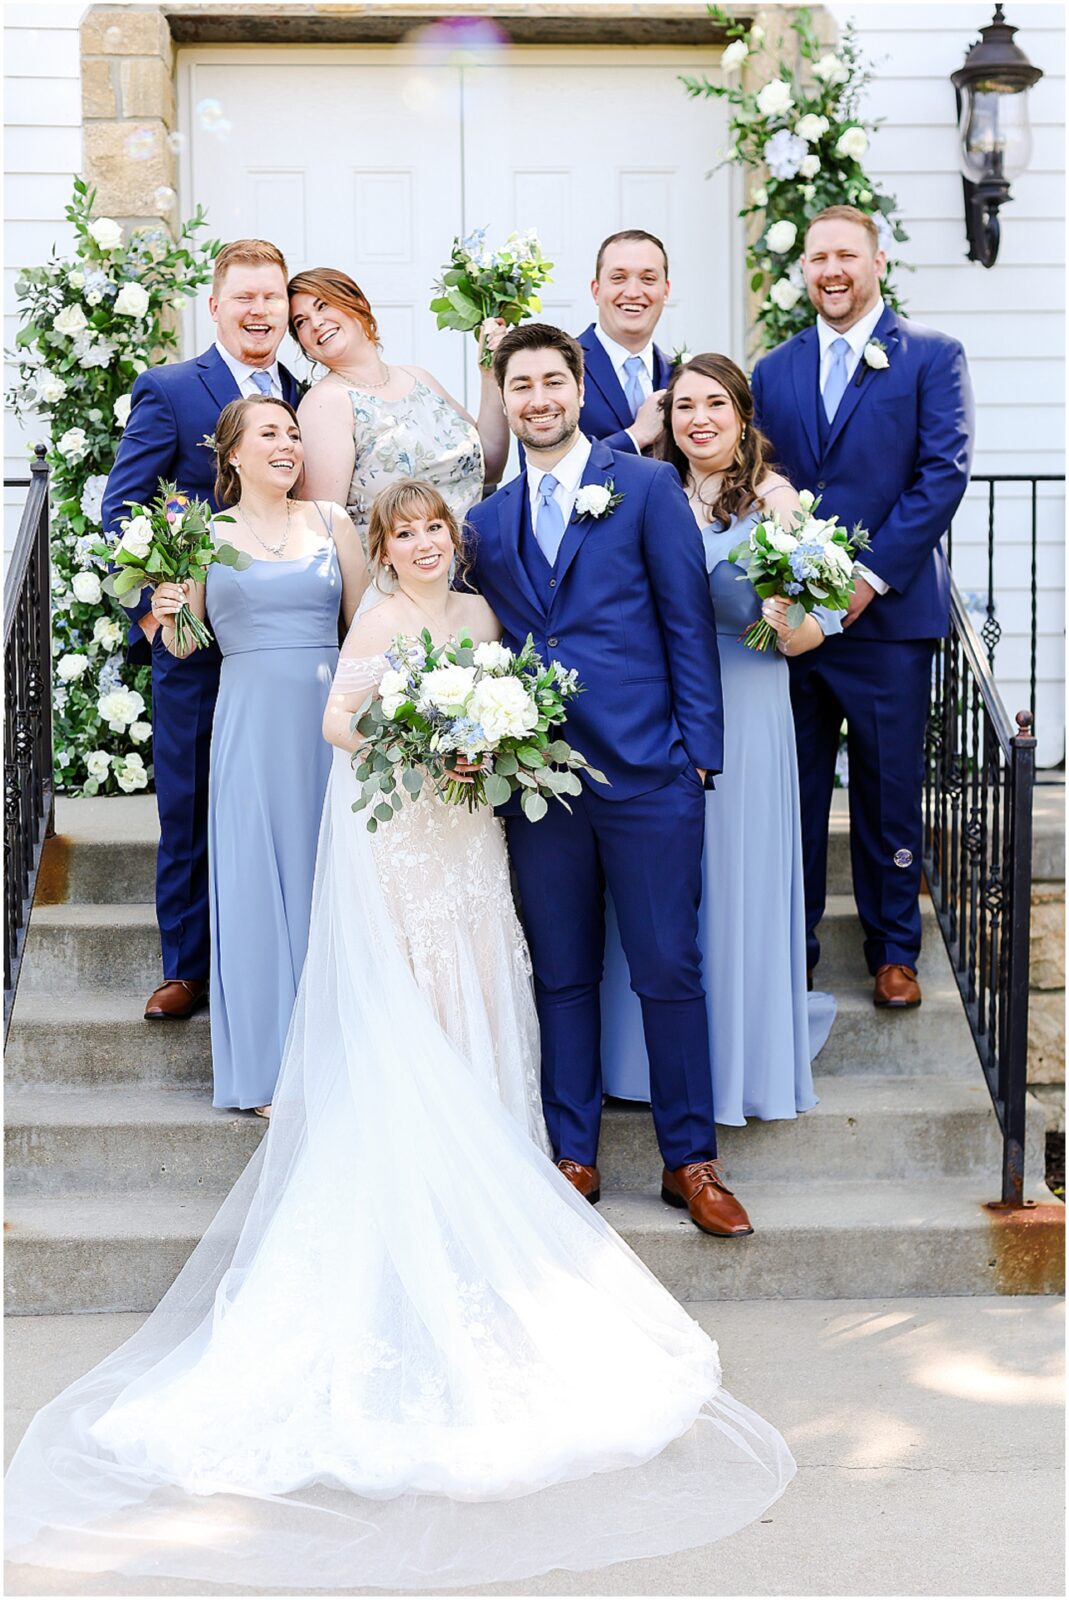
460, 41
164, 197
140, 145
209, 114
419, 94
112, 38
176, 142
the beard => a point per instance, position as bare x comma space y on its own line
569, 427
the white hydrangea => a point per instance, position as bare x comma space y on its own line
131, 300
86, 586
446, 688
785, 294
119, 708
734, 55
493, 656
829, 69
810, 167
96, 353
107, 631
121, 408
70, 322
105, 233
50, 388
93, 496
775, 98
781, 236
503, 708
136, 537
140, 731
73, 444
812, 127
69, 668
784, 153
852, 143
97, 763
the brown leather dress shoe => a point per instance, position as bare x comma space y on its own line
699, 1188
176, 1000
586, 1179
896, 986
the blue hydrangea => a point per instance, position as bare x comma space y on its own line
101, 283
784, 153
793, 588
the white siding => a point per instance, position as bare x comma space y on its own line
43, 150
1010, 317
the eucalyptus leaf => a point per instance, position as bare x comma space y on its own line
795, 615
496, 789
412, 779
383, 812
506, 764
534, 806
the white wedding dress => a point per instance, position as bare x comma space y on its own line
406, 1354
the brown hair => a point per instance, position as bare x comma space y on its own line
409, 497
634, 234
245, 253
847, 214
538, 336
233, 420
336, 288
753, 454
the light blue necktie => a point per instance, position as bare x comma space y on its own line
262, 380
633, 387
549, 523
835, 387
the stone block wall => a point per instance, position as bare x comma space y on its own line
128, 113
1046, 1001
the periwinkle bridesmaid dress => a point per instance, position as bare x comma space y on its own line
277, 627
764, 1029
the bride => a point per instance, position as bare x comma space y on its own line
407, 1354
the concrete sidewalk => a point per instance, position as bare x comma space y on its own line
928, 1435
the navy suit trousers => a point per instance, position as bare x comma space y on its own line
882, 688
648, 850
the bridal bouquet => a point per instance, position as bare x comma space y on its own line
480, 283
812, 563
439, 704
168, 541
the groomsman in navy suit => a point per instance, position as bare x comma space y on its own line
875, 414
626, 373
174, 407
595, 554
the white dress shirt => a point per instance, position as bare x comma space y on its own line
243, 374
857, 338
618, 355
568, 473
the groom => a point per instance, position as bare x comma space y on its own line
617, 592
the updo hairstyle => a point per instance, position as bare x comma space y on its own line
395, 505
233, 420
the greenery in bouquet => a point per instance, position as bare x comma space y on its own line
482, 704
811, 563
90, 322
798, 129
480, 283
168, 541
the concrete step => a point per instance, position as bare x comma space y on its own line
100, 1037
118, 1139
100, 946
85, 1252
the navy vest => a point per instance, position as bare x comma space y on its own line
823, 425
542, 575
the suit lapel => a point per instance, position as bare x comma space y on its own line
662, 369
510, 508
217, 378
864, 378
597, 469
602, 374
805, 369
290, 392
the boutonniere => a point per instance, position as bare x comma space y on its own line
597, 499
875, 355
681, 356
207, 443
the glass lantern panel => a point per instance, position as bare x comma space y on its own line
994, 132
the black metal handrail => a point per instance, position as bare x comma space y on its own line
28, 788
978, 786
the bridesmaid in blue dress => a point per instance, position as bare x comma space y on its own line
276, 624
764, 1028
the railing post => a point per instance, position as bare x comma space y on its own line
1021, 778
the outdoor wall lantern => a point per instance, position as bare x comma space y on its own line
996, 140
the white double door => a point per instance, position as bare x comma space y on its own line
373, 159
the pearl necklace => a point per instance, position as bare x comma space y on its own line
364, 384
272, 549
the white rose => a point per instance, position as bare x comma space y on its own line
781, 236
809, 167
592, 500
775, 98
130, 778
785, 294
72, 444
864, 196
852, 143
140, 731
492, 656
50, 388
86, 586
446, 688
393, 689
180, 302
131, 300
97, 763
119, 708
136, 537
134, 759
829, 69
782, 541
811, 128
105, 234
70, 667
806, 499
121, 409
503, 708
70, 322
808, 191
734, 55
760, 196
875, 357
108, 632
76, 279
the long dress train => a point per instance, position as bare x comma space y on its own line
406, 1354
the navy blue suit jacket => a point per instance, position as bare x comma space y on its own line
896, 460
630, 612
606, 414
172, 408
